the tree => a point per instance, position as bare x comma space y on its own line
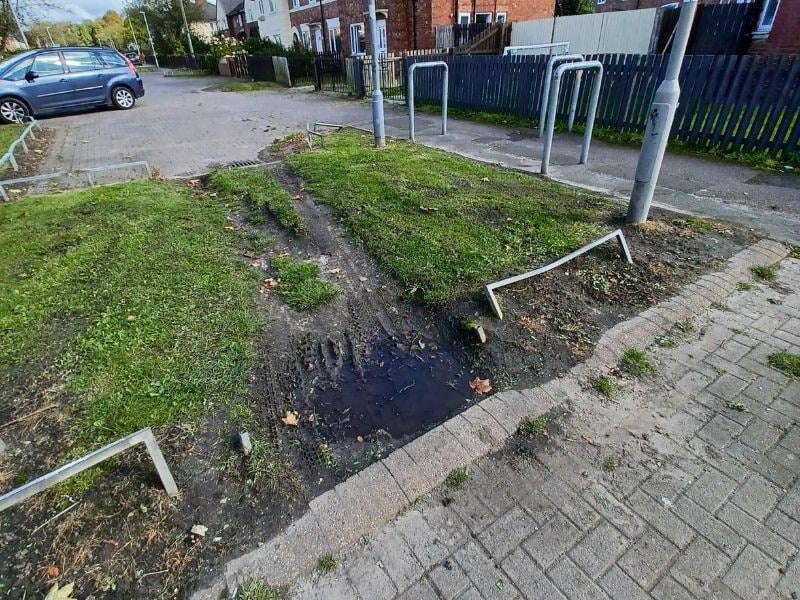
574, 7
28, 12
166, 23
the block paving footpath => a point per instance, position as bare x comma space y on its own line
682, 485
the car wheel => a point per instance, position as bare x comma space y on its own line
123, 98
13, 110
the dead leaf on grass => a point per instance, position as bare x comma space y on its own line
57, 593
360, 439
481, 386
336, 271
256, 264
52, 572
485, 179
268, 285
428, 208
291, 419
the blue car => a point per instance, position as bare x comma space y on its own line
53, 80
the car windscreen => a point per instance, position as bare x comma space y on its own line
12, 60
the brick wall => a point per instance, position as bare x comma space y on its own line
784, 38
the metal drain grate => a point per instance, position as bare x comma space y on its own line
239, 164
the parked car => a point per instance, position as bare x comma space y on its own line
137, 60
52, 80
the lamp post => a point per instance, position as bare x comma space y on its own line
659, 123
150, 35
377, 95
186, 27
50, 35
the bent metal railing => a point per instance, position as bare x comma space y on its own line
427, 65
20, 141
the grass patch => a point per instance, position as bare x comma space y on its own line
130, 292
636, 362
458, 478
247, 86
300, 285
794, 252
442, 224
764, 272
605, 386
259, 189
610, 464
328, 563
256, 590
9, 134
534, 427
701, 225
786, 362
268, 467
744, 286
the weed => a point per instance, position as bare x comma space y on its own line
300, 285
794, 251
737, 406
605, 385
328, 563
776, 301
328, 457
261, 190
258, 241
243, 415
764, 272
636, 362
610, 464
666, 341
458, 478
269, 466
685, 327
256, 590
786, 362
744, 286
701, 225
534, 427
488, 221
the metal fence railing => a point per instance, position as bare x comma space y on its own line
200, 62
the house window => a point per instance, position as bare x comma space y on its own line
296, 3
335, 40
463, 18
271, 6
261, 7
358, 45
483, 17
501, 17
306, 38
767, 17
278, 41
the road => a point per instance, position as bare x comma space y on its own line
183, 127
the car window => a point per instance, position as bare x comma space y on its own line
48, 64
18, 71
112, 59
82, 61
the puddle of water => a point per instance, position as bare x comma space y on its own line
401, 388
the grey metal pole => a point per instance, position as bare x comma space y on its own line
573, 105
19, 25
150, 35
444, 98
377, 95
659, 123
590, 115
186, 26
50, 35
548, 76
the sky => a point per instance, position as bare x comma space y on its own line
78, 10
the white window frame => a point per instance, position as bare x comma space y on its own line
505, 16
261, 7
271, 7
355, 27
764, 29
295, 3
461, 15
489, 22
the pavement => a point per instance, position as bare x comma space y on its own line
184, 128
684, 486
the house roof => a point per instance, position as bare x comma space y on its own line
209, 10
238, 8
228, 6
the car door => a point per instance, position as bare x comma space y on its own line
47, 83
86, 75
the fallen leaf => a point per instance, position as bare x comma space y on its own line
428, 208
335, 271
57, 593
194, 182
256, 264
131, 317
199, 530
292, 418
360, 439
485, 179
282, 254
481, 386
268, 285
52, 572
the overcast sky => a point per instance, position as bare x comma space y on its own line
78, 10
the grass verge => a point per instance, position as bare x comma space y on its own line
247, 86
8, 135
258, 188
442, 224
130, 292
300, 285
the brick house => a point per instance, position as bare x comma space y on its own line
342, 25
778, 30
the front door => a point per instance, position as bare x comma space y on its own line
319, 43
87, 76
47, 82
383, 46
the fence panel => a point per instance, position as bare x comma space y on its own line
724, 28
528, 33
301, 70
261, 68
730, 103
331, 74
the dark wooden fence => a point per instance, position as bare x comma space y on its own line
730, 103
723, 28
201, 62
261, 68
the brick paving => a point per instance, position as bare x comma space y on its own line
700, 500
